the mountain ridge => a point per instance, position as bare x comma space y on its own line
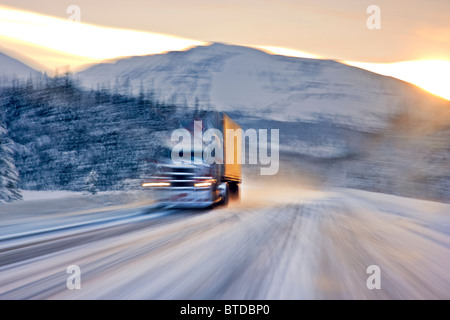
236, 78
13, 68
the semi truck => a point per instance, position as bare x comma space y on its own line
195, 181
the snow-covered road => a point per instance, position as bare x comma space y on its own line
296, 244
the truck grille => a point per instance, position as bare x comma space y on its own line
180, 176
181, 170
187, 183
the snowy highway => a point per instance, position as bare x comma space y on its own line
295, 244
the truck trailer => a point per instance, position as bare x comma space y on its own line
195, 181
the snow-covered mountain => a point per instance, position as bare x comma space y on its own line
338, 124
11, 69
235, 78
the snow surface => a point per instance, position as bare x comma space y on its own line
294, 244
58, 209
29, 195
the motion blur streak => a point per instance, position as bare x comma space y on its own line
318, 244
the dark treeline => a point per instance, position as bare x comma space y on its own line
60, 133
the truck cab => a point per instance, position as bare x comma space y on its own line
188, 186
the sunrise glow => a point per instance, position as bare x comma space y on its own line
58, 42
431, 75
89, 42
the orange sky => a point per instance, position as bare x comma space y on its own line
411, 30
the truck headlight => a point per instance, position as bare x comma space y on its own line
203, 184
156, 184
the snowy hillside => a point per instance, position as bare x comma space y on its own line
11, 69
234, 78
61, 134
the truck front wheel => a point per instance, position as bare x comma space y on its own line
234, 192
224, 193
